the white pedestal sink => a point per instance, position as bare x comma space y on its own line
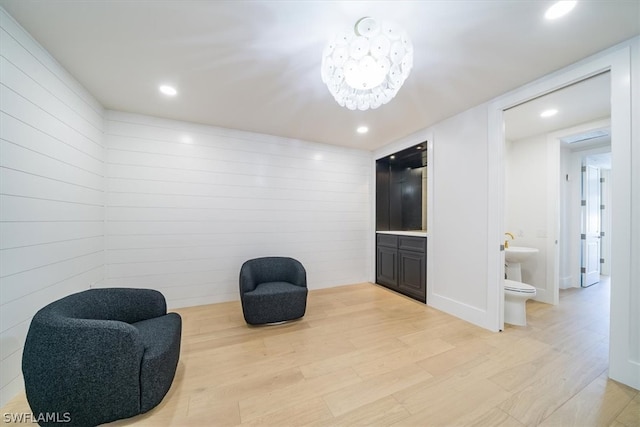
514, 256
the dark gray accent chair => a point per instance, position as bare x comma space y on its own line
100, 355
273, 290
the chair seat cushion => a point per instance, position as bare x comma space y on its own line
273, 302
276, 288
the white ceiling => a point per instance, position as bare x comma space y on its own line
582, 102
255, 65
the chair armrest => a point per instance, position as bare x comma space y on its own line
70, 364
298, 274
247, 280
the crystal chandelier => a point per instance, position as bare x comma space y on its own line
366, 67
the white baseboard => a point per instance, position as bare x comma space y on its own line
566, 282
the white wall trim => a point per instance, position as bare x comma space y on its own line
553, 220
399, 145
496, 216
624, 366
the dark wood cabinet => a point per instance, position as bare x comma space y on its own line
387, 266
411, 277
401, 264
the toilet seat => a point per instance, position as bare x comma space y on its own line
519, 287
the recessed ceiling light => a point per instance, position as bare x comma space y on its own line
549, 113
168, 90
362, 129
392, 157
560, 9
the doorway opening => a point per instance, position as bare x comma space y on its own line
623, 337
550, 142
595, 253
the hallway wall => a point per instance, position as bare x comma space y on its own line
188, 204
527, 180
51, 190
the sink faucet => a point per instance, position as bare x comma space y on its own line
506, 241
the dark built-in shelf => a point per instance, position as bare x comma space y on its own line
399, 196
401, 261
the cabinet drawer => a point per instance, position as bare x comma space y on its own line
416, 244
388, 240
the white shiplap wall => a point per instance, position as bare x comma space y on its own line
188, 204
51, 190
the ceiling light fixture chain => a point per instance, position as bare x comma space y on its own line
366, 67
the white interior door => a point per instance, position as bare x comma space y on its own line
590, 269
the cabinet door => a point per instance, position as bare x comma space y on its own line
412, 275
387, 267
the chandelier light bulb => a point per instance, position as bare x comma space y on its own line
365, 67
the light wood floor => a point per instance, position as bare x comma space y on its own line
363, 355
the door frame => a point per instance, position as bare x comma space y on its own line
585, 214
617, 60
571, 233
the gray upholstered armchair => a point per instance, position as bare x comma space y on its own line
272, 290
101, 355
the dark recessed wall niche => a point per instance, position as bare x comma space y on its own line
400, 201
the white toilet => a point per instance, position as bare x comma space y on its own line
516, 295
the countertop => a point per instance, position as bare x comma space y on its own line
415, 233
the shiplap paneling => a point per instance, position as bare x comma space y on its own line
51, 190
188, 204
